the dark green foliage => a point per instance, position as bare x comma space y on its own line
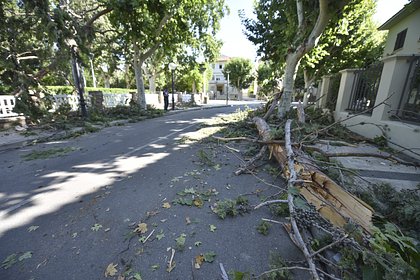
231, 208
55, 152
400, 207
391, 256
277, 263
264, 227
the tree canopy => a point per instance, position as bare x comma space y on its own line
239, 72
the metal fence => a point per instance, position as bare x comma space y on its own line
365, 88
409, 105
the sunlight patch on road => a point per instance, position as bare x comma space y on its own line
69, 186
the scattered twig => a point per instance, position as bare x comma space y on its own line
258, 178
224, 274
329, 275
232, 149
336, 142
272, 221
270, 202
149, 236
329, 245
282, 268
350, 117
171, 265
251, 161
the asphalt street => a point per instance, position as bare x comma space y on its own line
73, 216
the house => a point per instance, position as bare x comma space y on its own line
384, 99
218, 84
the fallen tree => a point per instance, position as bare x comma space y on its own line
332, 201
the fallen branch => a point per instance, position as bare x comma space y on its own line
272, 221
250, 162
252, 140
290, 197
331, 201
358, 154
273, 104
270, 202
282, 268
336, 143
329, 245
258, 178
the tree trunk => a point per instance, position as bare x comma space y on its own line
127, 76
304, 45
107, 83
152, 81
292, 61
194, 88
140, 96
308, 82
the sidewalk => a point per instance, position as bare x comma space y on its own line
374, 169
12, 139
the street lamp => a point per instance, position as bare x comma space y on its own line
172, 67
227, 89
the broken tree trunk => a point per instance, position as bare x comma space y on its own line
332, 201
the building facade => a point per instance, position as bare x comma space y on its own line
218, 83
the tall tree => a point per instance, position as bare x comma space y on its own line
156, 24
285, 30
239, 72
353, 41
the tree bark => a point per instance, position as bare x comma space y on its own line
308, 82
305, 44
140, 99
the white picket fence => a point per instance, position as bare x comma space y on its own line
7, 103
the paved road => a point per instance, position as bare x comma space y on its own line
69, 217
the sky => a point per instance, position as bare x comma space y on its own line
235, 43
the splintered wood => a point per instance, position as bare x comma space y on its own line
333, 202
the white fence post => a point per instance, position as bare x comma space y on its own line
7, 103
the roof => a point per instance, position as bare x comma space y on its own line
403, 13
223, 58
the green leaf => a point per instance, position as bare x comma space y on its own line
26, 255
197, 243
293, 190
142, 239
212, 228
32, 228
160, 235
137, 276
209, 256
155, 267
217, 167
370, 273
180, 241
9, 261
96, 227
300, 203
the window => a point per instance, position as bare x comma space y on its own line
220, 66
399, 43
